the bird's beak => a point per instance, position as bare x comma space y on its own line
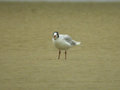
54, 36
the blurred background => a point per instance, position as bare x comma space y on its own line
28, 58
67, 0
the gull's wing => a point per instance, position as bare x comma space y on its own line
68, 39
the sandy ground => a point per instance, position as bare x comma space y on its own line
28, 59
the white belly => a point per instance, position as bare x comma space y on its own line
62, 45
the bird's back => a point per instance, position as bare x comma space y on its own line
68, 39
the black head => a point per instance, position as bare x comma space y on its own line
55, 35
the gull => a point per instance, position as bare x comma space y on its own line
63, 42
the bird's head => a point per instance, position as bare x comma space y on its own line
55, 35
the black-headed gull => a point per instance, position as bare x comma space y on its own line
63, 42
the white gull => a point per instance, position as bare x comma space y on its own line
63, 42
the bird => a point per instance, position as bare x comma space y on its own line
63, 42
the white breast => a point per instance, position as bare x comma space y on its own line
61, 44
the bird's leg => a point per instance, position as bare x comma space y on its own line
59, 54
65, 54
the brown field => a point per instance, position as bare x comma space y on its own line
28, 59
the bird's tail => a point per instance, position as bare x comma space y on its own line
77, 43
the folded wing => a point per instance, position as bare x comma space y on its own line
68, 39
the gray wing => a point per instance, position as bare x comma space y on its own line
68, 39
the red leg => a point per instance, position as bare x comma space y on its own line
59, 54
65, 54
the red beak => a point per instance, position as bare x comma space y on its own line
54, 36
